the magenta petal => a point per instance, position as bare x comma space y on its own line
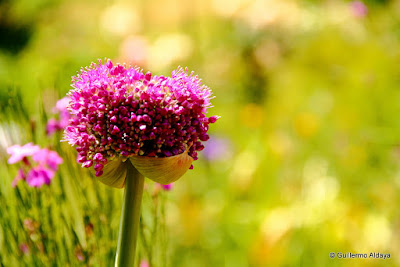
18, 152
64, 119
167, 187
53, 160
52, 126
48, 157
87, 164
39, 176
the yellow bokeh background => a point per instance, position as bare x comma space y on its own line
306, 154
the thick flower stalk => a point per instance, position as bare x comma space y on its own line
158, 123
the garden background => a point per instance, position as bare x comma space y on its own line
303, 162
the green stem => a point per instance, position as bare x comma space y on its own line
130, 218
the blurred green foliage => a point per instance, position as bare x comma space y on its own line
309, 97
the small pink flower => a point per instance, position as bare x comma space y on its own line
54, 125
18, 152
48, 157
164, 187
167, 187
62, 107
39, 172
39, 176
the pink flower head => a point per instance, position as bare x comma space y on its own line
144, 263
18, 152
39, 172
119, 111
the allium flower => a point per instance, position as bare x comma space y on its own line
120, 112
54, 125
41, 170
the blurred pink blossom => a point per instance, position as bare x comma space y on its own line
54, 125
47, 157
144, 263
62, 104
165, 187
18, 152
24, 248
40, 170
359, 9
39, 176
218, 148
